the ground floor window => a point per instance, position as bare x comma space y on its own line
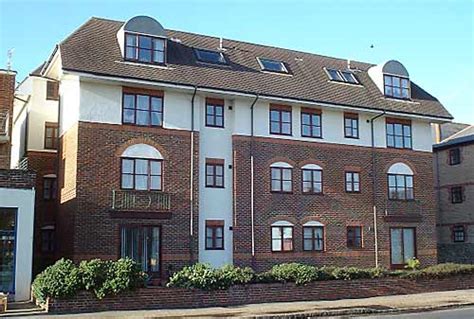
403, 246
354, 236
47, 239
142, 244
7, 249
282, 238
313, 238
459, 234
214, 234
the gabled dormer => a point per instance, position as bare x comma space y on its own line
392, 79
142, 39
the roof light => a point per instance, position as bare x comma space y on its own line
209, 56
272, 65
342, 76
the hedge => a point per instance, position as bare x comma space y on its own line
64, 279
202, 276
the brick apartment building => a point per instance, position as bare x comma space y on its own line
454, 176
176, 147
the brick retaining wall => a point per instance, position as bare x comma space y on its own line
166, 298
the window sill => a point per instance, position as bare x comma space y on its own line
281, 134
214, 249
308, 136
281, 192
214, 126
139, 125
282, 251
218, 187
352, 137
401, 200
311, 193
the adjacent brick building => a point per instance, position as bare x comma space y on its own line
175, 148
454, 173
17, 193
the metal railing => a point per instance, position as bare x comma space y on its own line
140, 201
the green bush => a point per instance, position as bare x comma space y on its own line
110, 277
64, 279
293, 272
203, 276
59, 280
351, 273
440, 271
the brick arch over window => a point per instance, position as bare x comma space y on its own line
283, 218
141, 140
142, 151
312, 161
400, 161
281, 159
400, 168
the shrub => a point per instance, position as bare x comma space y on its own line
350, 273
440, 271
203, 276
59, 280
293, 272
64, 279
413, 264
110, 277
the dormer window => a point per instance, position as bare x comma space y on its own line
146, 49
209, 56
396, 87
342, 76
272, 65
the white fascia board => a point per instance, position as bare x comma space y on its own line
252, 96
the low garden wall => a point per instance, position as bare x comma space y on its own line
167, 298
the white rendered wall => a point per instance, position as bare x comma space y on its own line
70, 95
18, 133
102, 103
332, 126
24, 201
40, 110
215, 203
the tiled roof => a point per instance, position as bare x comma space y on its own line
93, 48
464, 136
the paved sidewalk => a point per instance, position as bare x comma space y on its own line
388, 304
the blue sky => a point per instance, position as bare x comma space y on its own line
433, 39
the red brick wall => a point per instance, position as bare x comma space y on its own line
7, 89
166, 298
43, 163
336, 208
95, 227
16, 178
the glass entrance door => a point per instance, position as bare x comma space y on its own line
143, 245
7, 249
402, 242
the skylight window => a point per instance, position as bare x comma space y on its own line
209, 56
342, 76
272, 65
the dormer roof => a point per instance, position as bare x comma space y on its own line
94, 49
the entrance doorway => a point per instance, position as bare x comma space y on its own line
402, 246
7, 249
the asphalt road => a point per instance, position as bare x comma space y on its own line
454, 313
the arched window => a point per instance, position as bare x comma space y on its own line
312, 177
313, 236
281, 177
282, 236
142, 166
400, 182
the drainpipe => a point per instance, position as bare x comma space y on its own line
191, 184
376, 244
252, 178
